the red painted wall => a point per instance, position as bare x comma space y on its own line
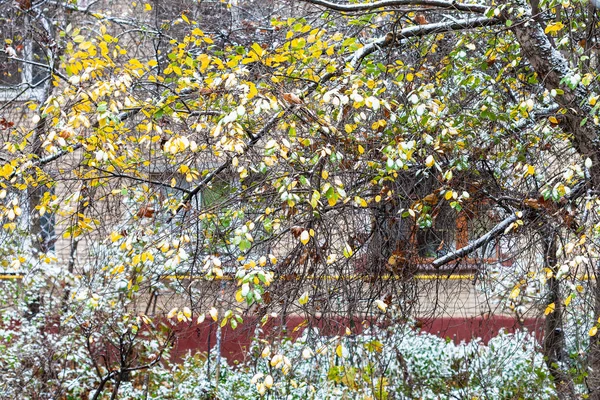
236, 343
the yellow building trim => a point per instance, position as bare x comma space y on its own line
9, 277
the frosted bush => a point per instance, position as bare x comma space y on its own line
397, 363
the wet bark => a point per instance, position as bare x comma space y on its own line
555, 352
554, 72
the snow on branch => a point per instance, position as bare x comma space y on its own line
441, 27
418, 31
361, 7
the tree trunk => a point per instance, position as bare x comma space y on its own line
554, 338
553, 71
593, 379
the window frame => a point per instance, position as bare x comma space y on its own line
25, 90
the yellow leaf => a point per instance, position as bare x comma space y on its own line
6, 171
515, 293
339, 350
238, 296
549, 309
214, 314
258, 50
448, 175
201, 318
276, 360
204, 60
187, 312
448, 195
530, 170
325, 174
361, 149
304, 237
348, 252
554, 27
114, 236
261, 388
568, 300
303, 299
381, 305
266, 352
147, 7
360, 201
172, 313
253, 91
553, 120
593, 331
429, 161
268, 381
185, 18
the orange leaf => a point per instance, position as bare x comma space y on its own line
292, 98
145, 212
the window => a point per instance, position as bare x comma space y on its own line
165, 192
21, 71
47, 223
209, 215
215, 193
478, 225
452, 230
414, 247
440, 238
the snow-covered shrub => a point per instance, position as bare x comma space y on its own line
397, 363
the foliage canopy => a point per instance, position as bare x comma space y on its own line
257, 159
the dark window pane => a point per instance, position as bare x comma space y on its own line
47, 224
10, 72
439, 239
38, 56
